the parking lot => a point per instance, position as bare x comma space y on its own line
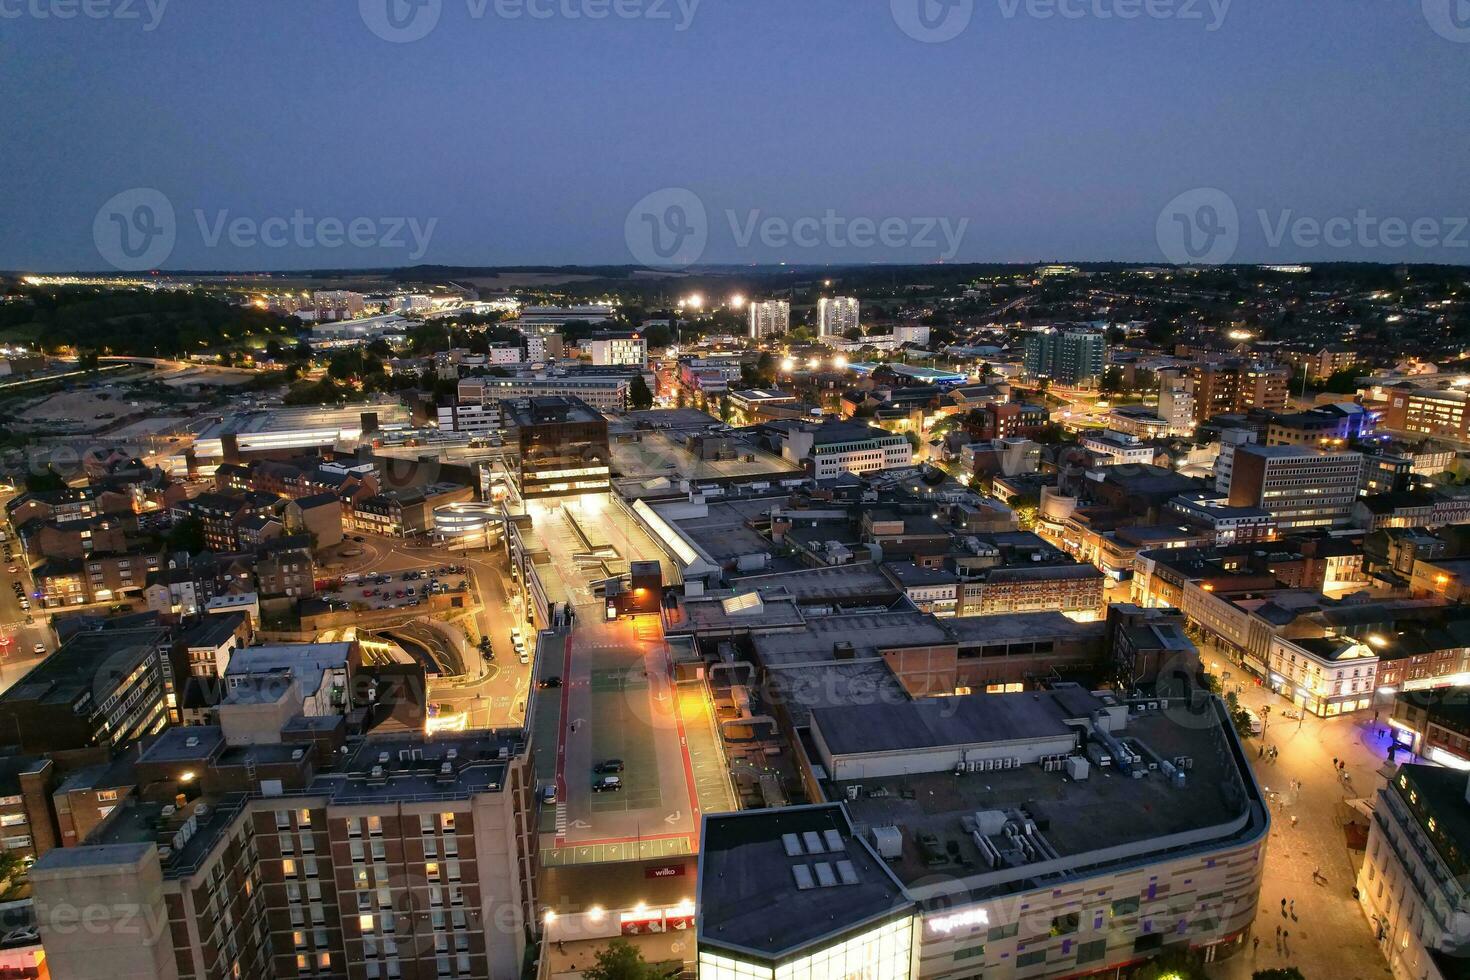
397, 590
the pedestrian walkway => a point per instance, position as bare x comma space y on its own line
712, 783
1308, 863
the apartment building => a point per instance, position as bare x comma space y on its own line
1176, 401
1412, 884
836, 315
1068, 357
1236, 385
295, 851
1299, 486
769, 318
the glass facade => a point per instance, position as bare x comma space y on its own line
882, 953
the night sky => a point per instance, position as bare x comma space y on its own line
524, 140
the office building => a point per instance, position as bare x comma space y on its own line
833, 448
1300, 487
100, 688
1428, 412
618, 348
605, 393
1068, 357
1236, 385
769, 318
561, 446
836, 315
1049, 833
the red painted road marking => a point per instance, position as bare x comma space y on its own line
561, 731
684, 748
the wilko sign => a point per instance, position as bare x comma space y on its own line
665, 871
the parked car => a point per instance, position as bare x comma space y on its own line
39, 649
608, 766
548, 794
523, 656
607, 784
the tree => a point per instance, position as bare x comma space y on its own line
621, 960
639, 397
46, 480
12, 875
186, 535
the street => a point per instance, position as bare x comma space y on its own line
1328, 935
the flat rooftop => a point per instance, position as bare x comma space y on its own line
777, 880
69, 672
1076, 817
859, 580
867, 633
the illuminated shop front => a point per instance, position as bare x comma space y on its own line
884, 952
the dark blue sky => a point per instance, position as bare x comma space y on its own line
529, 140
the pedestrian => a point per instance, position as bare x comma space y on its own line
1334, 763
1278, 934
1293, 819
1293, 910
1283, 913
1285, 941
1255, 944
1260, 752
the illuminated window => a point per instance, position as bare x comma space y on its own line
288, 867
365, 923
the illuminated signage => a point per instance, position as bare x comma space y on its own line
959, 920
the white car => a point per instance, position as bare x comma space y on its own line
523, 656
39, 649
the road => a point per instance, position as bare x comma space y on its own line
1328, 935
496, 698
